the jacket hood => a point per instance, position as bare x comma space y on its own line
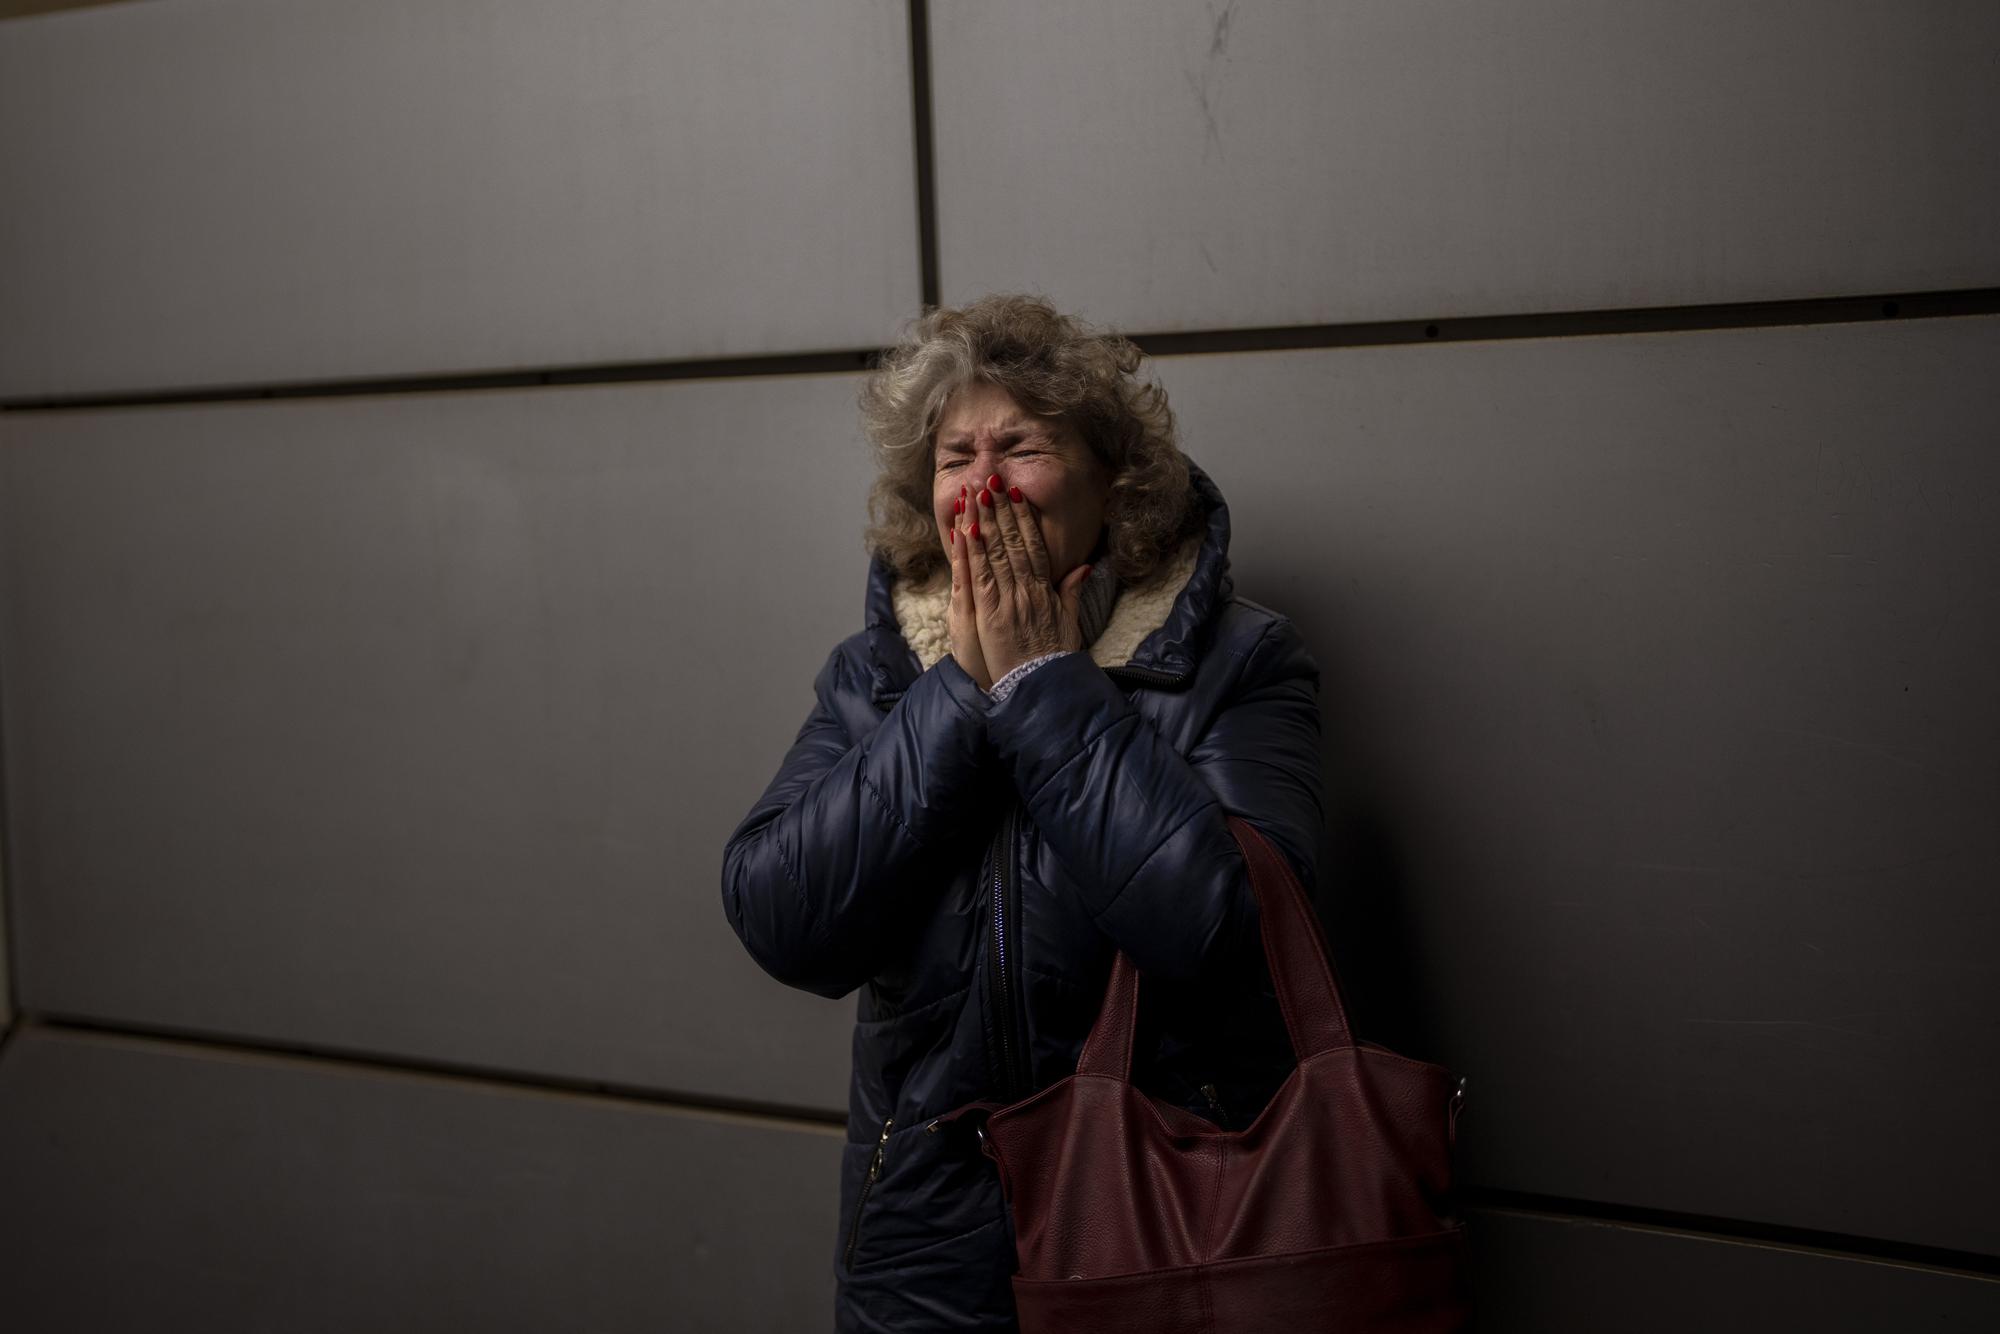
1155, 635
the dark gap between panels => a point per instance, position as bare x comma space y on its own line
1554, 324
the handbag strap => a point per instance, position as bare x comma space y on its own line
1315, 1015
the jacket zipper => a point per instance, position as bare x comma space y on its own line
1148, 676
1001, 991
1013, 1057
874, 1170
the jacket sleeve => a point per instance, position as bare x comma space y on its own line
1141, 829
819, 879
1005, 685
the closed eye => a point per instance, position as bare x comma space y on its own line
1012, 454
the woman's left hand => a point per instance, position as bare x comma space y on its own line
1019, 611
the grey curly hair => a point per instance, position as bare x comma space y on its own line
1053, 365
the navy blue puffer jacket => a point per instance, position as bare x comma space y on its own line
972, 867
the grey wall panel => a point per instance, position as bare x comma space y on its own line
1192, 164
416, 724
247, 191
6, 978
155, 1187
6, 983
1661, 744
14, 9
1537, 1274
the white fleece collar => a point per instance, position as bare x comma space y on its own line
1139, 611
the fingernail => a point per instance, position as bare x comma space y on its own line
975, 527
958, 506
986, 499
993, 482
1014, 494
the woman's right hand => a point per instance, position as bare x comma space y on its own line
961, 620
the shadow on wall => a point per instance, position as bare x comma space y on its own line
20, 9
1361, 893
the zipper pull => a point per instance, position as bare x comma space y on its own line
861, 1200
875, 1163
1208, 1091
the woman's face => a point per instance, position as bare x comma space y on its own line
984, 431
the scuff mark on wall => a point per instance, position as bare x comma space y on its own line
1218, 49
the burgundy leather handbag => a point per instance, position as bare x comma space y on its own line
1332, 1211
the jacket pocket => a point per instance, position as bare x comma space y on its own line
867, 1188
927, 1190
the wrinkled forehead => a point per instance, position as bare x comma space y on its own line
983, 410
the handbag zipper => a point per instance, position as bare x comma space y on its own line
874, 1170
1208, 1091
1002, 990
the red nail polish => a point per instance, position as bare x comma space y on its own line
975, 527
1014, 494
958, 506
986, 499
993, 482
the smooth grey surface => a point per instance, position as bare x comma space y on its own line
6, 979
152, 1186
1662, 745
1181, 164
237, 192
1534, 1273
6, 983
416, 724
17, 9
